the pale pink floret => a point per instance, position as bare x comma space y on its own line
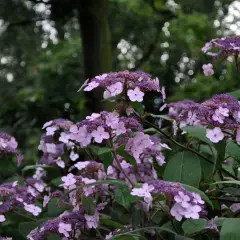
99, 135
208, 69
2, 218
64, 228
215, 135
91, 86
135, 95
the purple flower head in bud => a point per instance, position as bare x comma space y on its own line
8, 144
224, 47
130, 84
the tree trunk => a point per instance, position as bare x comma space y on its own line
93, 20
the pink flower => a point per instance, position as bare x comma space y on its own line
51, 148
32, 209
51, 130
215, 135
91, 86
144, 191
64, 228
207, 47
81, 135
73, 156
197, 199
47, 124
46, 199
93, 116
108, 236
101, 77
163, 94
88, 190
208, 69
182, 199
81, 165
112, 118
115, 89
100, 134
60, 162
2, 218
92, 220
64, 137
68, 180
135, 95
119, 128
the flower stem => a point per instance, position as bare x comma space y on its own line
119, 164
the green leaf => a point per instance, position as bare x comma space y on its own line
128, 157
26, 227
53, 236
230, 229
112, 223
88, 205
194, 225
123, 197
235, 94
100, 150
198, 132
53, 209
220, 147
138, 107
227, 182
107, 159
183, 167
202, 194
233, 150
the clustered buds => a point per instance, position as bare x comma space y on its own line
225, 47
128, 85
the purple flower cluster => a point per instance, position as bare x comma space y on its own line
185, 204
8, 146
14, 196
225, 47
220, 114
131, 85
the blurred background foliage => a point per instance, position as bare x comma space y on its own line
49, 47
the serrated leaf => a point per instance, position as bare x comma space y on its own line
183, 167
198, 132
230, 229
202, 194
123, 197
194, 225
128, 157
233, 150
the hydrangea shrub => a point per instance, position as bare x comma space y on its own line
119, 175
